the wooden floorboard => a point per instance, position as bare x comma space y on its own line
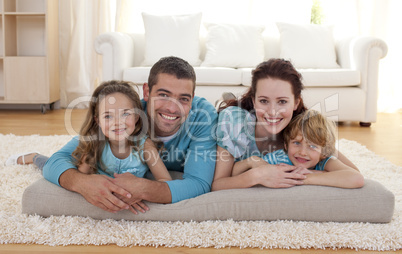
383, 137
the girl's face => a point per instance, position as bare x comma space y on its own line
117, 118
303, 153
274, 104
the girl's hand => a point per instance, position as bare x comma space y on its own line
139, 206
134, 205
135, 202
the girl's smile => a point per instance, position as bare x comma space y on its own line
116, 117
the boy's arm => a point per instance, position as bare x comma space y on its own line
154, 162
345, 160
336, 174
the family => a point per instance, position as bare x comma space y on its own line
267, 137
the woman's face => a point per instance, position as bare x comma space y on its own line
274, 104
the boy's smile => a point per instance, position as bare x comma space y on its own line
303, 153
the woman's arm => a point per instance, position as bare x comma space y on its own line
273, 176
154, 162
336, 174
244, 165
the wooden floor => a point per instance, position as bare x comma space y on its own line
383, 137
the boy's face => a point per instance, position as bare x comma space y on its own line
168, 103
303, 153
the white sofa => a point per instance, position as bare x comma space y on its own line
347, 93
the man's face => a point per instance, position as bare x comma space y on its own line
168, 103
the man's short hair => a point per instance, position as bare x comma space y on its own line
172, 65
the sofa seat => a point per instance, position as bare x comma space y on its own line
205, 75
223, 76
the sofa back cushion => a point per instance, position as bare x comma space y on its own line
172, 35
271, 47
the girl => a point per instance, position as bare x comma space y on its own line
254, 126
113, 138
309, 142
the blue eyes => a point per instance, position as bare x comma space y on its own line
312, 147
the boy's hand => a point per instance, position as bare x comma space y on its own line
300, 170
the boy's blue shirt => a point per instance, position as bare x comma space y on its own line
191, 151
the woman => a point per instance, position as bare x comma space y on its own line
255, 127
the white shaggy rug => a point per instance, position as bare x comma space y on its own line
65, 230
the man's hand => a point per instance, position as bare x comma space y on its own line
98, 190
135, 201
142, 189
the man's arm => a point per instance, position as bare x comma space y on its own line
199, 167
197, 178
96, 189
197, 143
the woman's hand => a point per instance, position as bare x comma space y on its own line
280, 176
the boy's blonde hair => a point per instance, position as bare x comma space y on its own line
315, 128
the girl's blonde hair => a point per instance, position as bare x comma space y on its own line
315, 128
92, 140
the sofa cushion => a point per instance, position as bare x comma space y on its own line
218, 76
233, 45
307, 46
172, 36
138, 75
318, 77
205, 75
372, 203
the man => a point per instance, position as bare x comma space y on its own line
184, 123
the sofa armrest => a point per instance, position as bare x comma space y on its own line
117, 50
363, 53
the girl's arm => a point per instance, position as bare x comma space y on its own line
154, 162
274, 176
84, 167
337, 174
244, 165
